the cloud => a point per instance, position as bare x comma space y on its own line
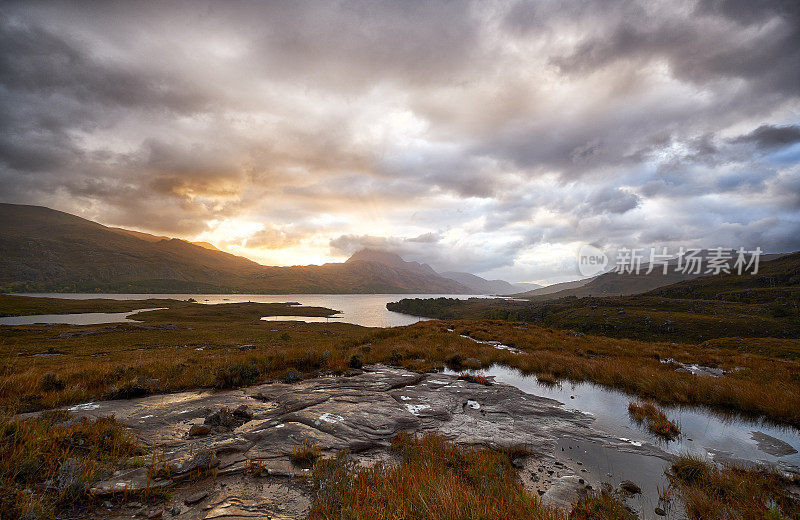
486, 136
770, 136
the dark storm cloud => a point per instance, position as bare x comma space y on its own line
504, 125
770, 137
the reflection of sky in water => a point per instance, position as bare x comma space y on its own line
84, 318
709, 432
368, 310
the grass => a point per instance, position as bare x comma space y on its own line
48, 462
305, 453
48, 366
654, 419
717, 493
435, 480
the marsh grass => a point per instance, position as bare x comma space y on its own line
47, 463
720, 493
654, 418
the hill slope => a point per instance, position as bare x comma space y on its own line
43, 250
482, 285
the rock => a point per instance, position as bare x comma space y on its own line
195, 498
223, 419
629, 487
564, 492
175, 510
199, 430
771, 445
155, 513
518, 462
202, 461
357, 361
127, 481
242, 412
69, 481
291, 376
659, 511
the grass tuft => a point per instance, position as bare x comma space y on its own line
655, 419
305, 454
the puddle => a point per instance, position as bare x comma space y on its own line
84, 318
306, 319
495, 344
704, 433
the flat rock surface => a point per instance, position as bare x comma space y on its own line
360, 412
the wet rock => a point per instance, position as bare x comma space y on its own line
195, 498
199, 430
629, 487
771, 445
659, 511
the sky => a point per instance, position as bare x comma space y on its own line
494, 137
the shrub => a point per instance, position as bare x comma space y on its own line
234, 376
51, 382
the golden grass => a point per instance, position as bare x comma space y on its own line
435, 480
654, 419
37, 452
184, 350
712, 493
305, 453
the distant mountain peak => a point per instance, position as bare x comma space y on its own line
390, 259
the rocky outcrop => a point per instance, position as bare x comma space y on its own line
260, 427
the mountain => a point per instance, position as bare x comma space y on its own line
392, 260
43, 250
482, 285
617, 284
554, 288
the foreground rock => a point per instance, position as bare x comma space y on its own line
228, 432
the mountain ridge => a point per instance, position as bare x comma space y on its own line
45, 250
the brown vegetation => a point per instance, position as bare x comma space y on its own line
654, 419
714, 493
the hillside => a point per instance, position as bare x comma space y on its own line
764, 305
482, 285
43, 250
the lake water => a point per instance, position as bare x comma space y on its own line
368, 310
84, 318
704, 433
